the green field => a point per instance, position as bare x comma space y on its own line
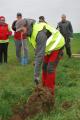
16, 85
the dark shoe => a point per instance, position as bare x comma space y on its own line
36, 81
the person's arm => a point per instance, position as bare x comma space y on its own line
71, 29
58, 27
39, 52
14, 26
10, 32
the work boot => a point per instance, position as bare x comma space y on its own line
36, 81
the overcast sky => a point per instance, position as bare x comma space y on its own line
51, 9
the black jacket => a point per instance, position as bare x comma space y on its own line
65, 28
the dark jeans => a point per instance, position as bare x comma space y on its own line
68, 47
3, 52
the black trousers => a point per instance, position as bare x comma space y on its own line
3, 52
68, 47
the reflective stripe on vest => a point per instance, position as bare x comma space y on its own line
51, 37
4, 41
55, 43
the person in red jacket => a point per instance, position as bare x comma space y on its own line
4, 39
19, 39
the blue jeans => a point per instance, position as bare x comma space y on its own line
21, 47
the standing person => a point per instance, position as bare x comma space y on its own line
66, 30
4, 39
19, 39
48, 44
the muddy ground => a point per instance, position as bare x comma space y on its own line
41, 100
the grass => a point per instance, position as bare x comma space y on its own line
16, 84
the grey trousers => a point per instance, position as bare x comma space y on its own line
21, 49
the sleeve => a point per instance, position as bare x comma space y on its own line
39, 52
10, 32
14, 26
58, 28
70, 28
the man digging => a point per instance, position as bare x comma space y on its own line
48, 44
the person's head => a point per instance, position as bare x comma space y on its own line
19, 16
63, 18
2, 19
41, 19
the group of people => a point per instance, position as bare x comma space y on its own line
47, 41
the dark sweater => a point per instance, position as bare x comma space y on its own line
65, 28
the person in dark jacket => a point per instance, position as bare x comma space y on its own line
66, 30
19, 39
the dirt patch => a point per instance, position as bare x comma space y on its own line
41, 100
0, 119
66, 105
16, 117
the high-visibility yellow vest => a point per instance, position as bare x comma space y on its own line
54, 42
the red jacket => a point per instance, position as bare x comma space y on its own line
4, 32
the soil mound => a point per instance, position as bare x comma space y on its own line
41, 100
